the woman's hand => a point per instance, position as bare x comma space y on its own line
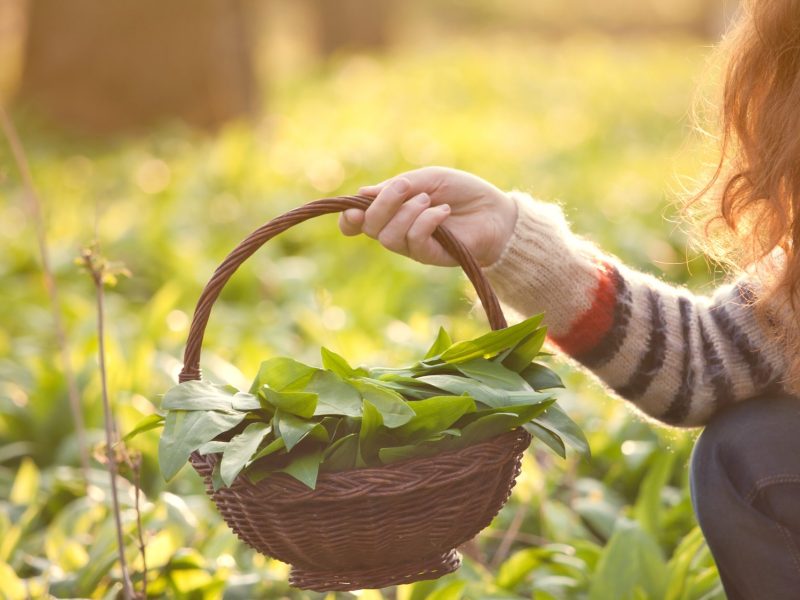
407, 209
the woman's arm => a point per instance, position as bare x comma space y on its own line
678, 356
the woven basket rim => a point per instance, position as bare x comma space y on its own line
394, 478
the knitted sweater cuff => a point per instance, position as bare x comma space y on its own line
545, 267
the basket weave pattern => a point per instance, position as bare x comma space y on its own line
372, 527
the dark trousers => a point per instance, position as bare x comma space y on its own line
745, 482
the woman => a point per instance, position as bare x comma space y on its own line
730, 361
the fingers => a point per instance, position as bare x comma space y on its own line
385, 206
351, 220
393, 235
419, 241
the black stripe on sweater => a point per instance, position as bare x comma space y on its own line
715, 370
681, 404
760, 370
653, 358
608, 347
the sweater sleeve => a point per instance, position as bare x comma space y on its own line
678, 356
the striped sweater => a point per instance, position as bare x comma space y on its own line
677, 356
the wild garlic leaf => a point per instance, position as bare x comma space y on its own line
185, 431
393, 454
274, 446
149, 423
540, 377
491, 343
459, 385
212, 447
336, 396
291, 428
368, 435
442, 343
555, 419
337, 364
551, 439
302, 404
525, 351
282, 374
198, 395
493, 374
493, 424
244, 401
342, 454
394, 410
433, 415
294, 429
240, 450
305, 468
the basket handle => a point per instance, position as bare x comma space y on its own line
191, 355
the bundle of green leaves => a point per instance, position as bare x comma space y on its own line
302, 420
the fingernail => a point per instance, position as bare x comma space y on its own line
423, 199
401, 185
445, 208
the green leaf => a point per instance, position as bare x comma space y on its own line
336, 397
371, 422
302, 404
282, 374
493, 424
549, 438
305, 468
394, 410
493, 374
458, 385
517, 567
631, 559
342, 454
212, 447
525, 351
540, 377
185, 431
394, 454
408, 387
442, 343
148, 423
240, 450
648, 508
293, 429
492, 342
433, 415
198, 395
271, 448
245, 402
555, 419
337, 364
216, 479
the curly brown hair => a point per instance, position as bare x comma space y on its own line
749, 210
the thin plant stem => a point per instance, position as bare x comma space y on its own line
34, 207
136, 464
97, 276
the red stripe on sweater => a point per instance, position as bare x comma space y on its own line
593, 324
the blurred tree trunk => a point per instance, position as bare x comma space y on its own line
114, 65
352, 24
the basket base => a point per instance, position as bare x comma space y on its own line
377, 577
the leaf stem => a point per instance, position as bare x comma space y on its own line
95, 268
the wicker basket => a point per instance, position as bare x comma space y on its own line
372, 527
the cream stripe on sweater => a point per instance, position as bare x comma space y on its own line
678, 356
